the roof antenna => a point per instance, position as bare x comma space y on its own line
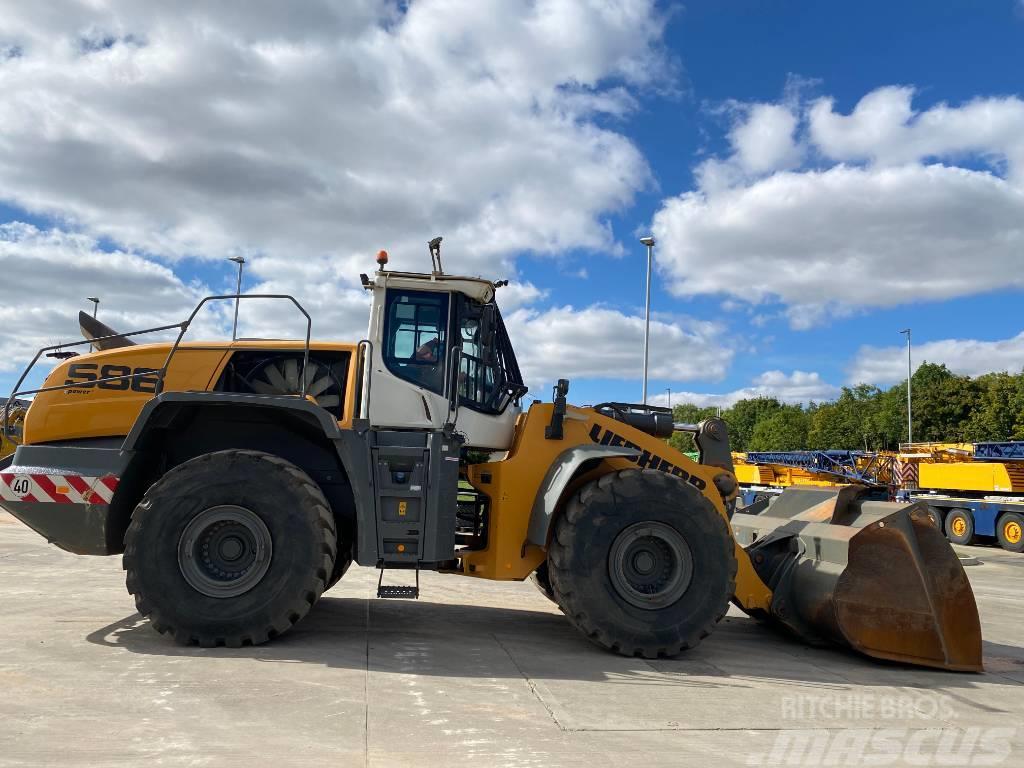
434, 246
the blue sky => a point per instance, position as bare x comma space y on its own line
820, 175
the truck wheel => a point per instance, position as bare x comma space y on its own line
935, 515
642, 563
960, 526
230, 548
1010, 532
541, 579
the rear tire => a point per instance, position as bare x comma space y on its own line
642, 563
230, 548
960, 526
541, 579
1010, 532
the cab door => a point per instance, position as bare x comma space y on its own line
410, 332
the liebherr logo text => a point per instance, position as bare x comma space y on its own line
646, 459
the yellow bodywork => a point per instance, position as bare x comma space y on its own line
515, 480
82, 411
981, 476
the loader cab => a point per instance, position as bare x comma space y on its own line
440, 355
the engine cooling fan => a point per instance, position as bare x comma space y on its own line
280, 376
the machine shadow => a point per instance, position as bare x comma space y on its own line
473, 641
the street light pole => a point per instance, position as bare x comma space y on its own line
238, 292
649, 242
910, 428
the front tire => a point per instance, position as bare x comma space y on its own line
642, 563
230, 548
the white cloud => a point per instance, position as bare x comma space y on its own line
795, 387
47, 276
199, 128
518, 294
887, 365
895, 228
884, 129
598, 342
306, 138
763, 140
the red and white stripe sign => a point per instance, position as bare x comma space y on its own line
906, 471
59, 489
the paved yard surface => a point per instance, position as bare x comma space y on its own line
474, 674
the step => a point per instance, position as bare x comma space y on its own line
389, 590
401, 592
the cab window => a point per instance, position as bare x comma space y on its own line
414, 337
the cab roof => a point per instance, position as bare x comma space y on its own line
476, 288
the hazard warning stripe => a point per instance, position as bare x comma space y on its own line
57, 489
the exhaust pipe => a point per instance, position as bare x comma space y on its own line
874, 576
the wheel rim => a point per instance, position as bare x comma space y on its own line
1012, 532
650, 565
224, 551
959, 526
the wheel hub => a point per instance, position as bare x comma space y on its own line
1012, 531
650, 565
224, 551
959, 526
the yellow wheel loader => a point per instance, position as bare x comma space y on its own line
241, 479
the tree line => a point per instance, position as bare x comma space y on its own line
946, 408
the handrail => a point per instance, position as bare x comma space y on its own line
185, 325
162, 371
452, 386
367, 377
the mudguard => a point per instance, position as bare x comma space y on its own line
558, 477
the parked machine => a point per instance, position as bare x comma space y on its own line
972, 489
764, 474
241, 479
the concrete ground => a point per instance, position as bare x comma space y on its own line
474, 673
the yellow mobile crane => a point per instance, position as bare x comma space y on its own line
972, 489
241, 479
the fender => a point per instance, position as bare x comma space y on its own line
350, 445
557, 479
153, 411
